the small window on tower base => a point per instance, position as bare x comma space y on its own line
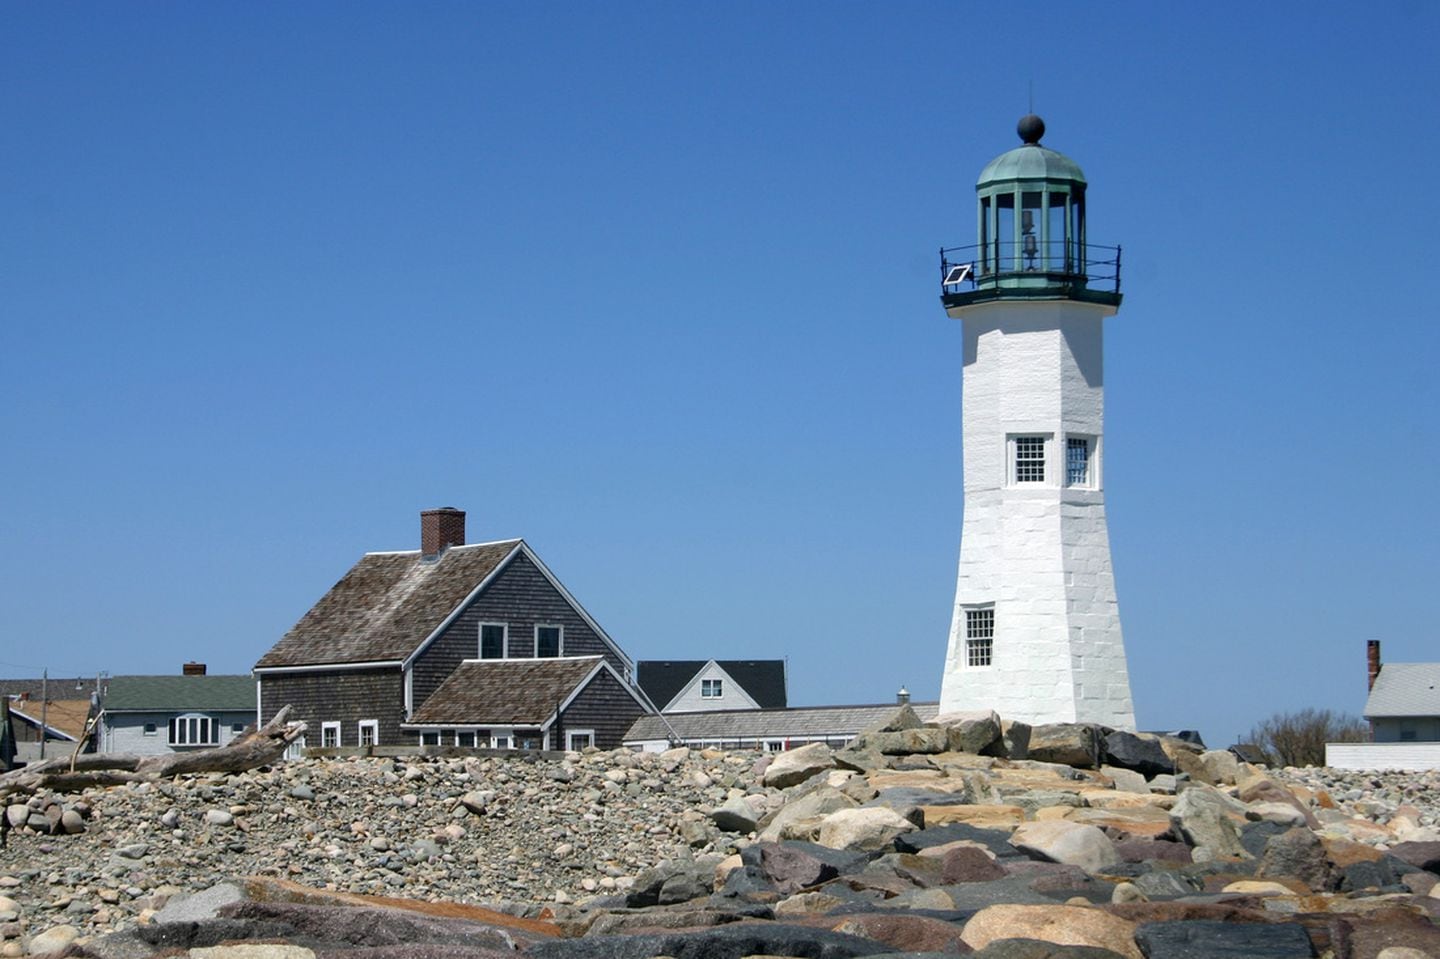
980, 636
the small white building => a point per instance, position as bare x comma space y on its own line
1036, 629
1403, 708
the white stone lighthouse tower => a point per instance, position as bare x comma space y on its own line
1036, 632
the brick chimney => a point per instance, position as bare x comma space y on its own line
192, 669
1372, 654
440, 528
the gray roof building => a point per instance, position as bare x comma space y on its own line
1405, 689
766, 727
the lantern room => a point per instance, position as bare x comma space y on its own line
1030, 233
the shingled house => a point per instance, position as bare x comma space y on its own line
453, 644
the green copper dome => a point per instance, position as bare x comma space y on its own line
1031, 161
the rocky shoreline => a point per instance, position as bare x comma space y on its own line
964, 835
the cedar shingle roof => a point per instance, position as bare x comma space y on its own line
178, 693
504, 692
836, 722
1405, 689
762, 679
386, 606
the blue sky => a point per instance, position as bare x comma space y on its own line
654, 286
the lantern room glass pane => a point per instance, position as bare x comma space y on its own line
1056, 248
985, 258
1031, 256
1005, 232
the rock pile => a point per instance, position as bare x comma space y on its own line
965, 835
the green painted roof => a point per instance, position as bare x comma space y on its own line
171, 693
1030, 161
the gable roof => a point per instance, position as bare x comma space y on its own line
387, 605
1405, 689
134, 694
762, 679
65, 717
506, 692
837, 722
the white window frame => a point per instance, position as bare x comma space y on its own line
712, 688
196, 729
326, 728
502, 739
1092, 461
559, 640
150, 729
371, 724
466, 732
296, 749
980, 644
570, 735
504, 640
1014, 460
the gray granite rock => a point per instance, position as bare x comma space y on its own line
1212, 939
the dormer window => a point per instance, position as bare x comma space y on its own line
712, 689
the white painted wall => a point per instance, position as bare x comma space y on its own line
1414, 757
1040, 553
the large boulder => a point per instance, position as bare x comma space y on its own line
812, 806
907, 742
865, 829
903, 718
1063, 925
1057, 840
1207, 819
1144, 756
973, 732
797, 765
1298, 854
1206, 938
1070, 744
1015, 739
735, 815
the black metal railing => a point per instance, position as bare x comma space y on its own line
973, 267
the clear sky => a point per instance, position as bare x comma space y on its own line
654, 286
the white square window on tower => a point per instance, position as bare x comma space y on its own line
980, 636
1028, 455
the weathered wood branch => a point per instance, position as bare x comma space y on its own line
254, 747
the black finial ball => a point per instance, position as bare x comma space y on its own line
1031, 128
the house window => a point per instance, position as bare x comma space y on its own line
529, 739
194, 731
500, 740
493, 640
578, 739
369, 730
429, 737
330, 735
548, 641
979, 636
1029, 459
1077, 461
774, 745
712, 689
150, 729
465, 737
237, 728
296, 749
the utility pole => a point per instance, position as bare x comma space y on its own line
44, 708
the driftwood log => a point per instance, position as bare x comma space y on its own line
254, 747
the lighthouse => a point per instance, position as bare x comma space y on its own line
1036, 630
